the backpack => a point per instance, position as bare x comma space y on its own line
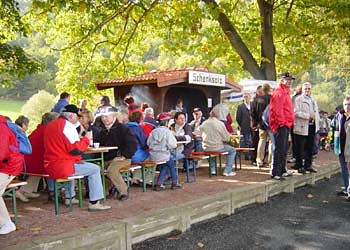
265, 117
24, 145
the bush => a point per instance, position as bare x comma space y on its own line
36, 106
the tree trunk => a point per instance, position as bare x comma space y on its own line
267, 70
267, 46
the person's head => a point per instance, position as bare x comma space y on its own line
48, 117
259, 91
215, 112
266, 88
163, 118
325, 114
86, 118
246, 98
298, 89
149, 112
129, 99
83, 103
108, 115
135, 116
179, 103
71, 113
22, 122
65, 95
105, 101
123, 115
144, 106
180, 118
287, 79
346, 104
306, 90
197, 113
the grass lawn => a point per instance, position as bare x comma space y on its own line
11, 108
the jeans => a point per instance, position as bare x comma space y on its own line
165, 169
244, 142
92, 171
281, 148
273, 147
230, 160
344, 171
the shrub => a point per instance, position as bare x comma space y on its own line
36, 106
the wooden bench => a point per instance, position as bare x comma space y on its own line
147, 167
65, 183
11, 192
212, 156
195, 158
126, 171
239, 152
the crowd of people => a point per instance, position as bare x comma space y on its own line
65, 133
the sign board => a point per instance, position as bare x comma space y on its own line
206, 78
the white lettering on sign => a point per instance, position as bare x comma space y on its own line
205, 78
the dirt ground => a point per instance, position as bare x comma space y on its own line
37, 219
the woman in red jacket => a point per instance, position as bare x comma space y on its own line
11, 164
35, 161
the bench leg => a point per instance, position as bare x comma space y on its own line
14, 204
56, 198
187, 171
143, 174
195, 170
80, 194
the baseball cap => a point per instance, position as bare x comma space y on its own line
287, 76
106, 110
196, 110
163, 116
71, 108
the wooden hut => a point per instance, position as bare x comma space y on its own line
196, 86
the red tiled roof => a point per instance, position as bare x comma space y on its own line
162, 78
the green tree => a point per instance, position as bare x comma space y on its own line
14, 61
107, 39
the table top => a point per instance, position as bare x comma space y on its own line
101, 149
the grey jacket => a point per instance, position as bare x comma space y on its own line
160, 142
304, 107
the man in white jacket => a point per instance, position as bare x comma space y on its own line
306, 124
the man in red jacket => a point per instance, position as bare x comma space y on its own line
11, 164
281, 120
62, 157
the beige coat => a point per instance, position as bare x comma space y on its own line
304, 107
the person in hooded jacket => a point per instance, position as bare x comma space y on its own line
161, 142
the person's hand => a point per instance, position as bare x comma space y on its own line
119, 158
89, 135
312, 117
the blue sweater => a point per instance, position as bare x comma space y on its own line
141, 153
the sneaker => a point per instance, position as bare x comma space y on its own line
287, 174
342, 193
31, 195
301, 170
277, 178
292, 160
74, 201
160, 188
259, 164
176, 186
21, 197
229, 174
8, 228
311, 169
98, 207
112, 192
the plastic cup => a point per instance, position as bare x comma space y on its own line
96, 144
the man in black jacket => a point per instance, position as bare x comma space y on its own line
243, 120
114, 133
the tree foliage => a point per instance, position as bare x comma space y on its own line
14, 61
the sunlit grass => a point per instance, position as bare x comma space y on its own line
11, 108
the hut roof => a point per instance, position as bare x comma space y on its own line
160, 77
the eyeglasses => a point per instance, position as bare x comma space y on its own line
346, 104
307, 88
